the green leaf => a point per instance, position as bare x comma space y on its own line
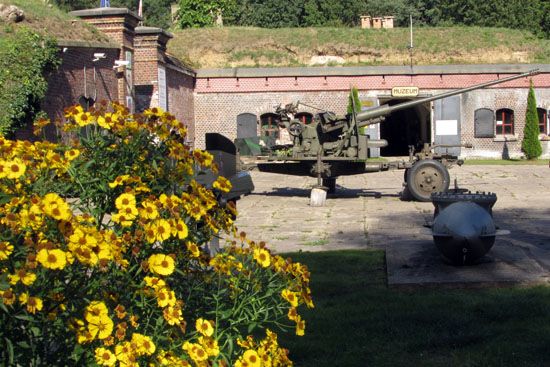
25, 318
9, 347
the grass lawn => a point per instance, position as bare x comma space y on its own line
358, 321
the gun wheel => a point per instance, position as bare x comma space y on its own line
426, 177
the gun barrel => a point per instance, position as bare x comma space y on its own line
363, 118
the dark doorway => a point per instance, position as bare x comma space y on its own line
411, 126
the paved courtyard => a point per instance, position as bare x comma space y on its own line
366, 212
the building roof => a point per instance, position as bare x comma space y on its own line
370, 70
104, 11
153, 30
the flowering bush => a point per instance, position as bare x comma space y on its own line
103, 261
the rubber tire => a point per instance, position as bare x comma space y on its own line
420, 190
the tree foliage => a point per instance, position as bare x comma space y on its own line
197, 13
25, 60
533, 15
530, 143
156, 13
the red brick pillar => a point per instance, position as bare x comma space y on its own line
119, 24
150, 63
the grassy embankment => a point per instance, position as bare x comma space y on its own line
49, 20
358, 321
255, 47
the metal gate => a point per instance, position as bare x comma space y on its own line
447, 124
246, 126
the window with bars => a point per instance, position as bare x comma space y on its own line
543, 120
304, 117
504, 122
269, 125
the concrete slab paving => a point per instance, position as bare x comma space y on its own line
366, 212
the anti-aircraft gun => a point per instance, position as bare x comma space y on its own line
331, 146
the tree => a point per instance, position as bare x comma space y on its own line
354, 101
201, 13
530, 143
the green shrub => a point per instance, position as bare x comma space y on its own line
110, 267
530, 145
25, 59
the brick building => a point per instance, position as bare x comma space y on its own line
134, 69
491, 119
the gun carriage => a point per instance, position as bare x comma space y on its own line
332, 146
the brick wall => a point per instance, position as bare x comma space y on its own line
181, 98
119, 24
78, 76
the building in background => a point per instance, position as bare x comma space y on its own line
135, 69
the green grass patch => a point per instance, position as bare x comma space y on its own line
358, 321
505, 162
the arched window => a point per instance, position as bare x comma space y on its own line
269, 125
543, 120
505, 122
304, 117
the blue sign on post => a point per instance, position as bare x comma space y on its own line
105, 4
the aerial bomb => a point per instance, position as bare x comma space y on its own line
463, 228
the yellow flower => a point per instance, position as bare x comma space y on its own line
125, 200
8, 297
84, 118
96, 310
165, 297
124, 353
56, 207
105, 121
130, 212
210, 345
104, 357
180, 229
161, 264
144, 344
195, 351
52, 259
15, 168
222, 184
204, 327
118, 181
101, 327
154, 282
122, 219
193, 249
34, 304
262, 256
291, 297
300, 326
292, 314
149, 210
6, 249
22, 275
159, 230
172, 315
72, 154
252, 358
